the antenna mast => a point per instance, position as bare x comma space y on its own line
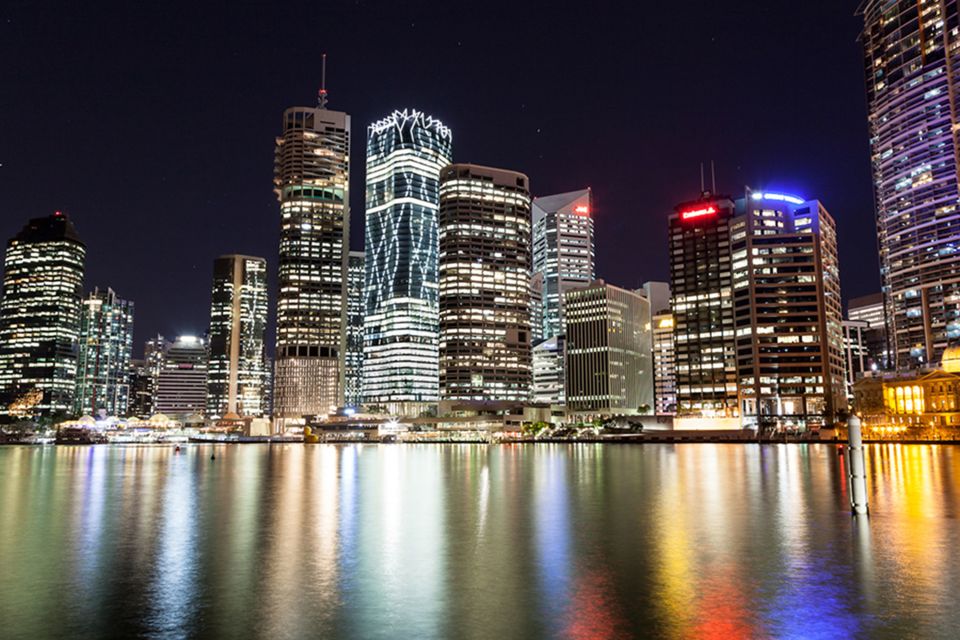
713, 178
322, 94
701, 179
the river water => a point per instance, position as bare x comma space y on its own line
476, 541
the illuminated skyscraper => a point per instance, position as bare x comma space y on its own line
787, 311
40, 318
353, 354
609, 366
311, 176
703, 329
912, 57
484, 223
563, 253
405, 152
103, 366
756, 306
236, 368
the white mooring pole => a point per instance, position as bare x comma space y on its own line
857, 467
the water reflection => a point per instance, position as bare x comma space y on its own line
467, 541
173, 586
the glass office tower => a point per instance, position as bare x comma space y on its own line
911, 58
103, 366
405, 153
563, 253
236, 368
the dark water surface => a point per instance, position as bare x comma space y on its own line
476, 541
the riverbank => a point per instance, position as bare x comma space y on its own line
661, 437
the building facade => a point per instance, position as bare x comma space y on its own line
787, 312
141, 389
103, 364
609, 365
922, 404
702, 307
911, 57
867, 309
405, 153
664, 365
870, 310
154, 355
40, 318
484, 274
563, 251
236, 366
856, 356
658, 294
548, 378
312, 183
353, 353
182, 383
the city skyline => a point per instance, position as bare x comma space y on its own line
186, 201
644, 352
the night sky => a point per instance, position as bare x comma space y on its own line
152, 124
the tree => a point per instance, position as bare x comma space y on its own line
534, 428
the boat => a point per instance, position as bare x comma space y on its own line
80, 435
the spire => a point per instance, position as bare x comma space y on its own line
322, 94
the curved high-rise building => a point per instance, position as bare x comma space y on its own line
912, 51
485, 331
311, 178
405, 152
40, 318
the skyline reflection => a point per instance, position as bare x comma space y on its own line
475, 541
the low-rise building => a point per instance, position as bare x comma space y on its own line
919, 403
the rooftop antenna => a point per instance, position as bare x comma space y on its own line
713, 178
322, 94
701, 178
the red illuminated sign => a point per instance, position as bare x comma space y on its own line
692, 214
582, 209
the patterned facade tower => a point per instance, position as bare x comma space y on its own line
40, 318
405, 152
103, 367
236, 369
311, 176
912, 61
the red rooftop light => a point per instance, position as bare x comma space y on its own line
690, 214
582, 209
